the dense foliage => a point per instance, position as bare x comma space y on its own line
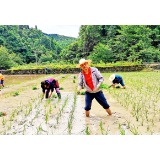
22, 45
111, 43
62, 40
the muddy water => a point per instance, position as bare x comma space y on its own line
23, 82
18, 79
29, 125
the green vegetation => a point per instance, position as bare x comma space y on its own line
34, 88
62, 40
61, 88
103, 44
1, 114
82, 93
112, 43
16, 93
20, 44
141, 98
74, 81
61, 65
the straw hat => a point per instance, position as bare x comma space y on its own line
112, 77
83, 61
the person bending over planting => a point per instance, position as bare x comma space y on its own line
2, 80
116, 79
91, 78
48, 85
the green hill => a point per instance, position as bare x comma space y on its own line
62, 40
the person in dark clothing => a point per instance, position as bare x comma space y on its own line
48, 85
116, 79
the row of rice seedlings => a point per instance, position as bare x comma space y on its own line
71, 114
15, 93
137, 98
20, 109
60, 81
61, 110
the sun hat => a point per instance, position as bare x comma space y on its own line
112, 77
81, 61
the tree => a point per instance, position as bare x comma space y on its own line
15, 58
131, 40
5, 60
101, 53
46, 58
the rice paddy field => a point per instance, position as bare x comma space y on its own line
135, 110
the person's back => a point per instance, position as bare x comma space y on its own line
117, 79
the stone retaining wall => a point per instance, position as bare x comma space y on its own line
74, 70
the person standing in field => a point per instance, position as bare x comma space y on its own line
2, 80
46, 70
91, 78
116, 79
48, 85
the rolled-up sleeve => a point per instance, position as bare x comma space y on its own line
80, 80
99, 76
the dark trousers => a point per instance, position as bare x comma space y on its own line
99, 96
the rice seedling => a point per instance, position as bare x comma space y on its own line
54, 105
16, 93
61, 88
50, 109
119, 126
128, 123
74, 77
71, 113
30, 109
34, 88
11, 118
134, 130
69, 127
39, 129
74, 81
3, 121
1, 114
101, 126
82, 93
54, 96
87, 131
9, 127
46, 116
122, 131
107, 131
26, 113
4, 132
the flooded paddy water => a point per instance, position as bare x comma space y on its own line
27, 114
